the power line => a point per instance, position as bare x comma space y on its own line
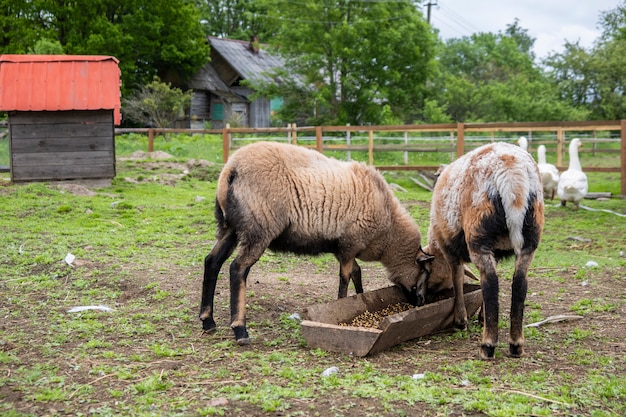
325, 21
452, 20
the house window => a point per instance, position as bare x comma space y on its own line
218, 111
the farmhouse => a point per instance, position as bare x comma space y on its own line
218, 95
62, 110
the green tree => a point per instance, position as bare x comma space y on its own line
360, 56
491, 77
236, 19
47, 47
609, 63
149, 37
156, 104
571, 73
21, 27
594, 78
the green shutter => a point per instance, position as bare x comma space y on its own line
217, 111
276, 103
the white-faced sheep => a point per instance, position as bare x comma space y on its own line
289, 198
486, 205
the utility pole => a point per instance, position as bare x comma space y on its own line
429, 5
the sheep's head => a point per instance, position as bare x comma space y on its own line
414, 285
440, 278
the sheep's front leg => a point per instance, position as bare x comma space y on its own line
460, 313
346, 268
486, 264
356, 277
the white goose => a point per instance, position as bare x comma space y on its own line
549, 173
573, 183
523, 143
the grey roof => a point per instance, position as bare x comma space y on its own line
207, 79
249, 65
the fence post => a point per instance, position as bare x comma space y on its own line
318, 139
348, 141
294, 133
623, 159
452, 143
226, 141
559, 147
150, 140
406, 144
370, 147
460, 139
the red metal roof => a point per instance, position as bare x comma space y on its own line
60, 82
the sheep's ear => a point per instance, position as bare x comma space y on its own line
423, 258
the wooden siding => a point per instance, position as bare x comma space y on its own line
200, 109
62, 145
260, 113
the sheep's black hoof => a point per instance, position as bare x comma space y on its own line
487, 352
208, 325
241, 335
243, 342
516, 351
460, 326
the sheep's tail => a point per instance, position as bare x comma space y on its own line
219, 217
224, 183
520, 187
227, 176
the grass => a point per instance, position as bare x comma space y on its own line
139, 248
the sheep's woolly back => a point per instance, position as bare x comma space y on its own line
274, 188
467, 189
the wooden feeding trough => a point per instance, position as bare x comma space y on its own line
324, 326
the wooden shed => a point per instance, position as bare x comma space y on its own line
62, 111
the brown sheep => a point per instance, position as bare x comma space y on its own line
289, 198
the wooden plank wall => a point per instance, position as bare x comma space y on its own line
62, 145
260, 112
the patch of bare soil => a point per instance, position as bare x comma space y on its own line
76, 189
138, 155
193, 168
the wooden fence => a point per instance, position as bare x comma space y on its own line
459, 138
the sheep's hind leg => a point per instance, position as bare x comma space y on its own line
238, 278
240, 267
489, 285
212, 265
519, 288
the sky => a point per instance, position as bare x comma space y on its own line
550, 22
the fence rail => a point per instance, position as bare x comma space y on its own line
453, 138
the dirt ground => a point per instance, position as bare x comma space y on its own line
306, 288
291, 291
274, 296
